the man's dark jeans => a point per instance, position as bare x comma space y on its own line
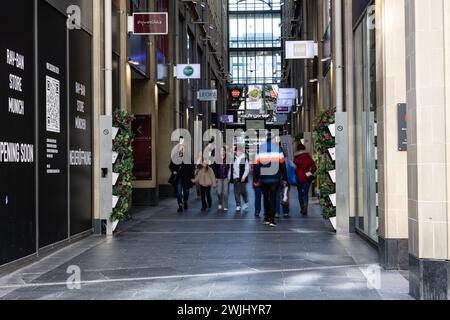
270, 191
182, 192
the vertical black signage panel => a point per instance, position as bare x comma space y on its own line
53, 159
17, 132
80, 124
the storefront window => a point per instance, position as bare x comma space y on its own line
366, 124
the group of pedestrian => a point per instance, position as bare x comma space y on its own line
271, 181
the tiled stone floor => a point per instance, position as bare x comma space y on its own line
162, 255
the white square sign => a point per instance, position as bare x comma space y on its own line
300, 49
189, 71
287, 94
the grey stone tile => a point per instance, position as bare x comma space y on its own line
161, 243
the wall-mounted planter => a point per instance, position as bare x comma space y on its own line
332, 129
115, 225
334, 222
115, 155
115, 177
333, 199
115, 200
332, 153
115, 131
332, 175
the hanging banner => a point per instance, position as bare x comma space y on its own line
287, 93
207, 95
300, 50
188, 71
149, 23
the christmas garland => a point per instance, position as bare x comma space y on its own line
124, 164
324, 141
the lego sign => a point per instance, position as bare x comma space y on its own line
149, 23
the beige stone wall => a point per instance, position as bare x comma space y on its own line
98, 97
391, 90
429, 119
446, 13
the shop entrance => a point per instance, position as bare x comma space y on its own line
366, 126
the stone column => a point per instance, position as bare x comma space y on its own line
392, 163
428, 98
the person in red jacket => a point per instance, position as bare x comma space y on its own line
306, 168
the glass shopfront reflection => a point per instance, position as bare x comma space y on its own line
366, 125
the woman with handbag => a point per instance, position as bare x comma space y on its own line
306, 168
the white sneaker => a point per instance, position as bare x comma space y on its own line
238, 209
220, 208
225, 209
245, 207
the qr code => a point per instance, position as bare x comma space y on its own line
53, 105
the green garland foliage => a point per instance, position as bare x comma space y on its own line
323, 141
124, 165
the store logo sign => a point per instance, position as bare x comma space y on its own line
207, 95
287, 94
188, 71
73, 17
301, 49
236, 94
149, 23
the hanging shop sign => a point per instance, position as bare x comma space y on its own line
207, 95
188, 71
227, 119
283, 110
301, 49
287, 94
284, 106
149, 23
236, 93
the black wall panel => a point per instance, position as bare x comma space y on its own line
17, 132
80, 126
53, 151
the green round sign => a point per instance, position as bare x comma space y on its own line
188, 71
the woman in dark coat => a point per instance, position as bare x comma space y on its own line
182, 175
